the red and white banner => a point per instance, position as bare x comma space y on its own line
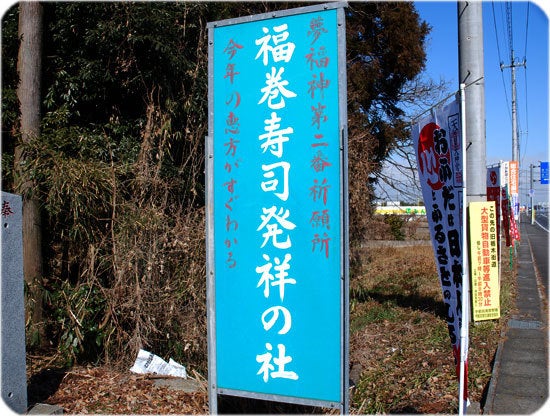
506, 215
438, 148
513, 225
500, 180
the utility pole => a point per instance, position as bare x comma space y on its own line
472, 89
513, 65
515, 140
471, 73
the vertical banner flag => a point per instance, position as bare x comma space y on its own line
513, 177
484, 260
510, 194
494, 194
509, 181
507, 215
506, 203
438, 148
277, 237
504, 173
514, 229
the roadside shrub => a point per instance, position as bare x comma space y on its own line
396, 223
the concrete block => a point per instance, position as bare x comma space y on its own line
45, 409
183, 384
13, 362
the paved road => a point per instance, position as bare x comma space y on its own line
541, 219
538, 238
519, 384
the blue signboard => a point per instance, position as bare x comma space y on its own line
544, 173
277, 235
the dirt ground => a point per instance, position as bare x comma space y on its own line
400, 354
103, 390
422, 384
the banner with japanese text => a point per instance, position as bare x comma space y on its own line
494, 193
276, 211
484, 261
512, 223
438, 148
509, 180
507, 215
513, 186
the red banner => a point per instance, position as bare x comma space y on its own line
493, 194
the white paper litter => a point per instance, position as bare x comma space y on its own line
147, 362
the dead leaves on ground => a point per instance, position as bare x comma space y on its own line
398, 339
104, 391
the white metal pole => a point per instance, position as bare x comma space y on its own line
465, 264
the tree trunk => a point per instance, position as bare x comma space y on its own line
29, 67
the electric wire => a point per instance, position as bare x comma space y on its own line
501, 64
509, 26
526, 29
525, 80
508, 19
526, 131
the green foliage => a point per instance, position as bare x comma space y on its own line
396, 223
10, 109
438, 336
78, 312
76, 187
377, 312
384, 42
120, 159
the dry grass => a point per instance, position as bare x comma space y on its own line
399, 338
399, 348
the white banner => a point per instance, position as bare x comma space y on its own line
494, 194
438, 148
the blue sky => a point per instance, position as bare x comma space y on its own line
530, 41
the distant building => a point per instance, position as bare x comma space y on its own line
399, 210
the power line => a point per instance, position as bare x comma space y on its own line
509, 27
496, 31
500, 63
526, 131
512, 66
525, 80
526, 30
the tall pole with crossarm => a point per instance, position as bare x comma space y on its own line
513, 65
515, 141
472, 87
